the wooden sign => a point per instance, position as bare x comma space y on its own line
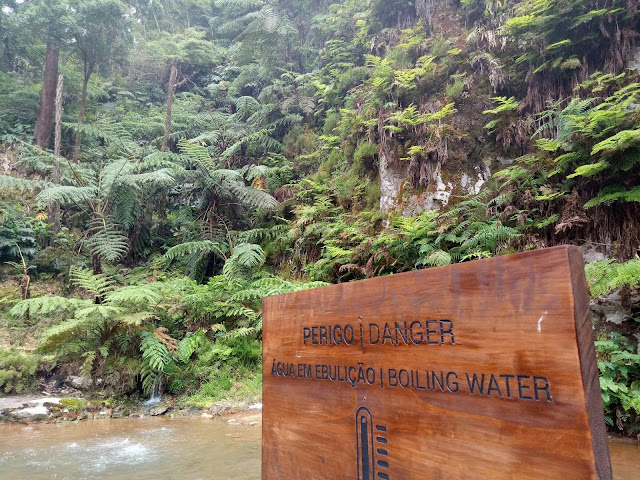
482, 370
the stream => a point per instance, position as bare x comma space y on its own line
164, 448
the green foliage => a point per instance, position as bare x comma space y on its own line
155, 356
18, 371
455, 90
364, 158
227, 183
246, 257
189, 248
606, 276
619, 366
19, 233
73, 404
504, 110
106, 239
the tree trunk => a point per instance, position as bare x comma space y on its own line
54, 207
44, 123
83, 104
172, 89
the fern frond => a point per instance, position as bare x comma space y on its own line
69, 330
190, 343
103, 312
48, 305
188, 248
135, 319
14, 183
67, 195
96, 285
139, 296
438, 258
155, 354
259, 235
253, 197
106, 239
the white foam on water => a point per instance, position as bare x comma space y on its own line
115, 452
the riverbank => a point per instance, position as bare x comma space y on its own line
49, 409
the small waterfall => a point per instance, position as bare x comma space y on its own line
156, 393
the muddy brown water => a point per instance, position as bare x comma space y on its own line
164, 448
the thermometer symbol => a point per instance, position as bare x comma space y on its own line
371, 443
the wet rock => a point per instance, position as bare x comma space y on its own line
158, 410
121, 413
81, 383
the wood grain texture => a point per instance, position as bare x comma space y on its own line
520, 321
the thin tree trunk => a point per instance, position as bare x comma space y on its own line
25, 284
83, 104
44, 123
97, 264
172, 89
54, 207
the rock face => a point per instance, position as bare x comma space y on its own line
616, 308
397, 195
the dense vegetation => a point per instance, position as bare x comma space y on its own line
165, 165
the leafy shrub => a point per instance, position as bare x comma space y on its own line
18, 371
364, 158
606, 275
227, 382
455, 90
18, 232
619, 381
331, 122
73, 404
